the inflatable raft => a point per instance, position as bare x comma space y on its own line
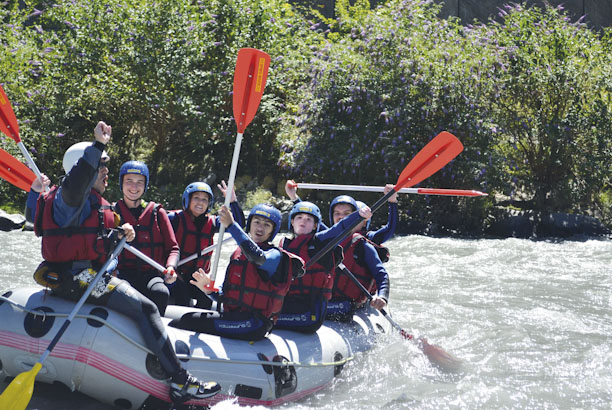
103, 356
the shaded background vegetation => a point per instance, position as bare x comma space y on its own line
349, 100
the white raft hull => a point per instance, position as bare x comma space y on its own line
103, 356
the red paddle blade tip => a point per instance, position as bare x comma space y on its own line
15, 172
250, 78
436, 154
8, 121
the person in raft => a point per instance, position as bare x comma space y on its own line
305, 305
194, 229
75, 223
378, 236
256, 281
364, 259
154, 237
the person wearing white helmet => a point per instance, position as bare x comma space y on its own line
194, 229
77, 228
71, 157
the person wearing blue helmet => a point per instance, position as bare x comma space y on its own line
305, 305
256, 281
378, 236
364, 259
194, 229
154, 237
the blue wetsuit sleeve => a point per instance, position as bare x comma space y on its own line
338, 228
377, 269
273, 259
386, 232
31, 205
238, 214
171, 216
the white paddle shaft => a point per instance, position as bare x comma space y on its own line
204, 251
369, 188
144, 257
228, 199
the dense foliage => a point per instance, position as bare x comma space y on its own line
159, 72
528, 95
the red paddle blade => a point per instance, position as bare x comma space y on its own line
15, 172
249, 82
8, 121
438, 152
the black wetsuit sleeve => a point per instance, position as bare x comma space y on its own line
77, 184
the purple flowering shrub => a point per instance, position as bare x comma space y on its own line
390, 82
551, 105
160, 74
529, 97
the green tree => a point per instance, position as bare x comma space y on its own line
551, 102
160, 74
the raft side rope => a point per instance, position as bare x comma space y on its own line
282, 363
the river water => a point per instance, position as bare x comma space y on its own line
531, 321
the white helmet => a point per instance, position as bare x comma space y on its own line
75, 152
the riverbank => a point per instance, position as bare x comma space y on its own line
509, 224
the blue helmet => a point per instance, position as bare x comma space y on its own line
133, 167
198, 187
342, 199
359, 206
305, 207
269, 212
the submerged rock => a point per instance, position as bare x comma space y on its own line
9, 222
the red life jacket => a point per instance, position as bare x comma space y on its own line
247, 288
83, 242
149, 239
191, 240
318, 278
354, 260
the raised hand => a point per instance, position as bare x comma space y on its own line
102, 132
223, 188
389, 188
291, 189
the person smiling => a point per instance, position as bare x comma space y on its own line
256, 281
305, 306
194, 229
75, 221
154, 237
364, 258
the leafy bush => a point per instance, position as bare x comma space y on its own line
160, 73
529, 97
551, 105
394, 78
